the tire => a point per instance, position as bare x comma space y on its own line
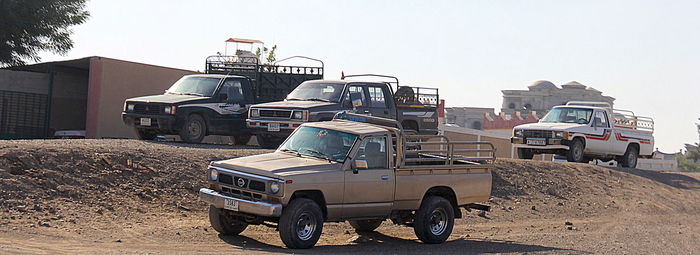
267, 142
241, 139
630, 157
144, 134
575, 153
432, 209
224, 225
301, 224
365, 225
194, 130
525, 153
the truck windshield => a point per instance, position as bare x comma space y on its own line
321, 143
568, 115
317, 92
196, 86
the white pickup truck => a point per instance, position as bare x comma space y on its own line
584, 131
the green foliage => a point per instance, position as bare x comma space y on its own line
269, 55
30, 26
690, 160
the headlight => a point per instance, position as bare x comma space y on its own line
518, 132
561, 135
254, 113
130, 107
213, 174
274, 187
298, 115
170, 109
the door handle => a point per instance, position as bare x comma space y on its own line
385, 177
366, 111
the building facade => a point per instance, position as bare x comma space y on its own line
543, 95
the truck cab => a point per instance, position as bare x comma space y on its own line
355, 168
584, 131
320, 100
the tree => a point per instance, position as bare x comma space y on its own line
269, 56
28, 27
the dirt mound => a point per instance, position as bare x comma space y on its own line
133, 191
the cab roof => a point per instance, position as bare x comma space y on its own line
352, 127
582, 107
215, 76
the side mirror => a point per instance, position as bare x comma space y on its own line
359, 164
223, 96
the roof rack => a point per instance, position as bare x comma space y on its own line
590, 103
345, 115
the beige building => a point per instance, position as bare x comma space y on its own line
543, 95
84, 94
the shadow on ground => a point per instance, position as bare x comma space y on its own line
378, 243
676, 180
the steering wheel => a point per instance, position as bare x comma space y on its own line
582, 121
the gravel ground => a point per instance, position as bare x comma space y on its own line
127, 196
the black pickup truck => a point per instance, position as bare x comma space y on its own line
319, 100
215, 103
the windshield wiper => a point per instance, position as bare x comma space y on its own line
290, 150
192, 94
316, 99
323, 155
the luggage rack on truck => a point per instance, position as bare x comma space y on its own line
407, 96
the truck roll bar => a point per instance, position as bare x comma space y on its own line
373, 75
345, 115
304, 57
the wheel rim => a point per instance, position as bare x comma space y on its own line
306, 226
578, 152
194, 129
632, 159
438, 221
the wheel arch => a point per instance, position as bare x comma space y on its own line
315, 195
446, 193
410, 124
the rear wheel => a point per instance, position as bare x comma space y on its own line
630, 157
224, 224
301, 224
241, 139
194, 130
365, 225
434, 220
525, 153
575, 153
145, 134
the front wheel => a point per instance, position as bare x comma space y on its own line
301, 224
434, 220
145, 134
630, 157
194, 130
575, 153
365, 225
525, 153
223, 224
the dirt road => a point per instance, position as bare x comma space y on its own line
124, 196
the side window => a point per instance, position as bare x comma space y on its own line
233, 90
376, 95
600, 120
356, 94
373, 150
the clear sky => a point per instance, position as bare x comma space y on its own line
646, 54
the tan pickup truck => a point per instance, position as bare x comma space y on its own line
354, 168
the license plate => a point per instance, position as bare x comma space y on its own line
145, 121
230, 204
274, 127
536, 142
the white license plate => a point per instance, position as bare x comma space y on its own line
230, 204
273, 127
536, 142
145, 121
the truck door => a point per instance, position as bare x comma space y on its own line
356, 99
380, 105
370, 191
230, 107
601, 139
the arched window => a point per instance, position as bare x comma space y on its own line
476, 125
528, 106
511, 106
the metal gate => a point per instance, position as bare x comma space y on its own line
22, 115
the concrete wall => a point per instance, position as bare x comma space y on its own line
113, 81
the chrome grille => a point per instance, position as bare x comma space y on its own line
287, 114
148, 109
240, 182
538, 133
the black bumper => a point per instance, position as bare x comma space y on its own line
158, 122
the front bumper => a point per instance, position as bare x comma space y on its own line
261, 126
245, 206
162, 122
550, 144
